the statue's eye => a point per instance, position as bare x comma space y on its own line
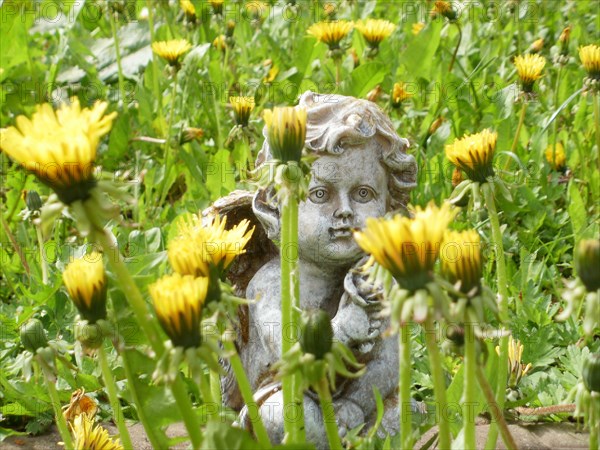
363, 194
318, 195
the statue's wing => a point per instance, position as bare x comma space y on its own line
237, 206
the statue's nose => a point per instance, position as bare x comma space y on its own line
344, 210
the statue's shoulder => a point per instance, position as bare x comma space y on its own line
265, 285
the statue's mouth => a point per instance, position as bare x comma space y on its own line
340, 232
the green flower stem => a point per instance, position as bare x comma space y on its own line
457, 47
136, 301
190, 418
204, 385
155, 84
290, 310
246, 391
113, 27
151, 431
163, 191
331, 428
515, 143
109, 382
338, 71
215, 387
61, 423
130, 289
502, 308
555, 124
495, 411
404, 387
43, 262
470, 386
596, 100
439, 385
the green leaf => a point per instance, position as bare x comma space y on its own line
364, 78
220, 175
118, 144
418, 57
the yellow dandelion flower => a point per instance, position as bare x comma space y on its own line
375, 30
331, 33
461, 260
286, 132
417, 27
474, 154
442, 8
220, 42
89, 436
271, 75
85, 281
537, 45
556, 156
406, 247
529, 68
188, 8
197, 248
59, 147
399, 94
171, 50
242, 107
217, 6
516, 370
178, 302
590, 58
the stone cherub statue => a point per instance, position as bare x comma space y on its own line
362, 170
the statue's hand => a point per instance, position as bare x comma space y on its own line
355, 327
348, 415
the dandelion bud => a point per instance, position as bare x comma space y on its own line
587, 263
461, 260
564, 38
442, 8
529, 69
537, 45
286, 132
317, 334
217, 6
33, 201
399, 94
242, 107
591, 372
555, 155
85, 281
33, 335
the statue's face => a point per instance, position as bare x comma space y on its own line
344, 190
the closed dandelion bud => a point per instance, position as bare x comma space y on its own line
416, 28
33, 201
220, 42
85, 281
564, 40
591, 372
230, 28
286, 132
537, 45
555, 155
217, 6
461, 260
191, 134
587, 263
373, 94
317, 334
242, 108
90, 335
178, 302
188, 8
33, 335
442, 8
435, 125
